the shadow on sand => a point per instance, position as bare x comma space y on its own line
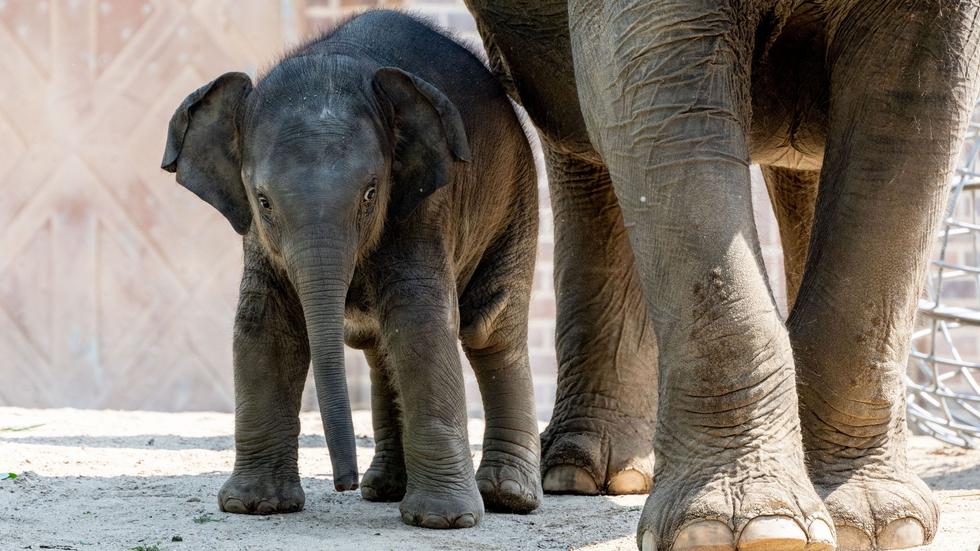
123, 512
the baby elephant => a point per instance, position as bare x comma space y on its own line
386, 193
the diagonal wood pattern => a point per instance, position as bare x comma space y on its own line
117, 288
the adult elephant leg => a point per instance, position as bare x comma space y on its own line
665, 88
895, 130
600, 438
385, 478
794, 195
271, 357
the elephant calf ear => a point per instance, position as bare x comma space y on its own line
430, 136
203, 147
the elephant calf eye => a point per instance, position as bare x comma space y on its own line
370, 193
264, 202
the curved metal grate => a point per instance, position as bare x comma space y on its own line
944, 363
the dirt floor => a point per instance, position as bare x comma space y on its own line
141, 480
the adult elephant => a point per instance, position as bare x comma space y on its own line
769, 434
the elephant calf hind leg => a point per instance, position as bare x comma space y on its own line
509, 475
385, 479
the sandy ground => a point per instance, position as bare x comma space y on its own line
135, 480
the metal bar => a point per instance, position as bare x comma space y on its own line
943, 388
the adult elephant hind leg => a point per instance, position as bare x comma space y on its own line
385, 479
666, 93
600, 437
271, 357
894, 132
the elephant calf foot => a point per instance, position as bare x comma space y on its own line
877, 508
612, 457
508, 484
384, 480
455, 508
261, 495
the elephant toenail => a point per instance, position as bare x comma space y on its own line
510, 487
233, 505
772, 532
465, 521
265, 507
850, 538
705, 535
408, 518
486, 486
629, 481
435, 521
821, 536
648, 542
569, 479
901, 533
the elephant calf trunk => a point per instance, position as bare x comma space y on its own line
323, 305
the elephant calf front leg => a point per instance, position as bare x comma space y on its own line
421, 342
271, 357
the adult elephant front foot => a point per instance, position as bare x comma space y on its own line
879, 512
731, 475
450, 508
730, 464
612, 457
757, 506
261, 495
855, 451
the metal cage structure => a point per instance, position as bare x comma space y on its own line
944, 362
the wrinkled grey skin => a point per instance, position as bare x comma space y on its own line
769, 434
387, 197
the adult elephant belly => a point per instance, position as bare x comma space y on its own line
788, 140
790, 95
